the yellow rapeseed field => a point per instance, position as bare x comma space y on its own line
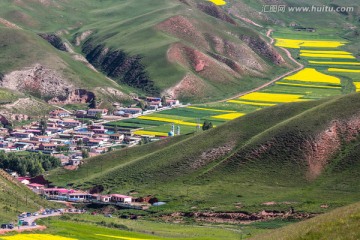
252, 103
160, 119
334, 63
36, 237
306, 85
325, 52
357, 85
321, 55
272, 97
312, 75
229, 116
210, 109
343, 70
145, 132
297, 43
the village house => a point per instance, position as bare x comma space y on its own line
71, 123
59, 113
75, 161
81, 113
45, 139
121, 198
94, 143
35, 187
117, 137
101, 198
22, 135
132, 111
93, 112
98, 150
33, 131
172, 102
78, 196
23, 145
47, 147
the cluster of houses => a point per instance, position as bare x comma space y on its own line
41, 187
66, 135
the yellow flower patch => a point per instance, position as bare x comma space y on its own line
325, 52
151, 133
334, 63
272, 97
312, 75
306, 85
36, 237
297, 43
252, 103
218, 2
210, 109
343, 70
160, 119
320, 55
357, 85
229, 116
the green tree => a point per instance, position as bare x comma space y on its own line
163, 101
207, 125
142, 105
79, 142
92, 103
42, 126
98, 115
85, 154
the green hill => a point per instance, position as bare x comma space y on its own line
302, 153
15, 198
342, 223
192, 50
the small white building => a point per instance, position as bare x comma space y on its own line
121, 198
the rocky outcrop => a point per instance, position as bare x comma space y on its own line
120, 66
38, 81
237, 217
75, 96
54, 40
215, 11
80, 37
263, 48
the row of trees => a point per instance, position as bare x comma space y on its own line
33, 164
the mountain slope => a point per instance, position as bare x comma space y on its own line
16, 198
192, 50
301, 153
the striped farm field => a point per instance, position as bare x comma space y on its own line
344, 70
229, 116
169, 120
321, 55
335, 63
272, 97
325, 52
307, 85
252, 103
298, 43
312, 75
210, 109
151, 133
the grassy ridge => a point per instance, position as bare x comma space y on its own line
342, 223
